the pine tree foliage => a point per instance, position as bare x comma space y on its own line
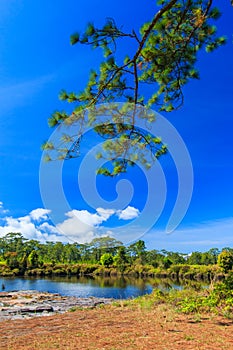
164, 60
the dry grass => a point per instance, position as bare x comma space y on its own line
122, 328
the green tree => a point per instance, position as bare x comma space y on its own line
85, 252
195, 258
137, 251
175, 258
33, 259
210, 257
106, 259
164, 57
12, 260
71, 253
121, 259
166, 262
59, 252
14, 242
101, 245
153, 257
213, 255
225, 260
227, 249
13, 248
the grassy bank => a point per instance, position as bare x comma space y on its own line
217, 299
184, 272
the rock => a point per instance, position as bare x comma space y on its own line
36, 309
5, 295
25, 304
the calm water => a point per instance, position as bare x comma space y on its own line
118, 288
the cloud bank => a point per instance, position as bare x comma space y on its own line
79, 225
82, 226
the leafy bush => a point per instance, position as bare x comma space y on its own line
106, 259
225, 260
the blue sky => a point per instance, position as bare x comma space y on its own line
37, 61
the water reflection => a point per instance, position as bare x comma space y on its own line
108, 287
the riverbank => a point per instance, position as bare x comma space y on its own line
180, 271
119, 328
28, 304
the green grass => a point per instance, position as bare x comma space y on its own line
218, 299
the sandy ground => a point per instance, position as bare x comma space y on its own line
114, 328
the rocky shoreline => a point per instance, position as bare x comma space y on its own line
31, 303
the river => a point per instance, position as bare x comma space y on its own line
106, 287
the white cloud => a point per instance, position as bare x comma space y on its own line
40, 213
82, 226
29, 229
32, 226
85, 217
105, 213
79, 225
128, 213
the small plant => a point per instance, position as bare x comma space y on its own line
225, 260
191, 305
188, 337
197, 318
74, 308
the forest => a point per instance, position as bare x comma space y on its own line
105, 255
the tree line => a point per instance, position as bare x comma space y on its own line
21, 254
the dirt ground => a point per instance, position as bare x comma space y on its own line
119, 328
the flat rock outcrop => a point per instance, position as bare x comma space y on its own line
30, 303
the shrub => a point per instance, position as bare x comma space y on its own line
225, 260
106, 259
